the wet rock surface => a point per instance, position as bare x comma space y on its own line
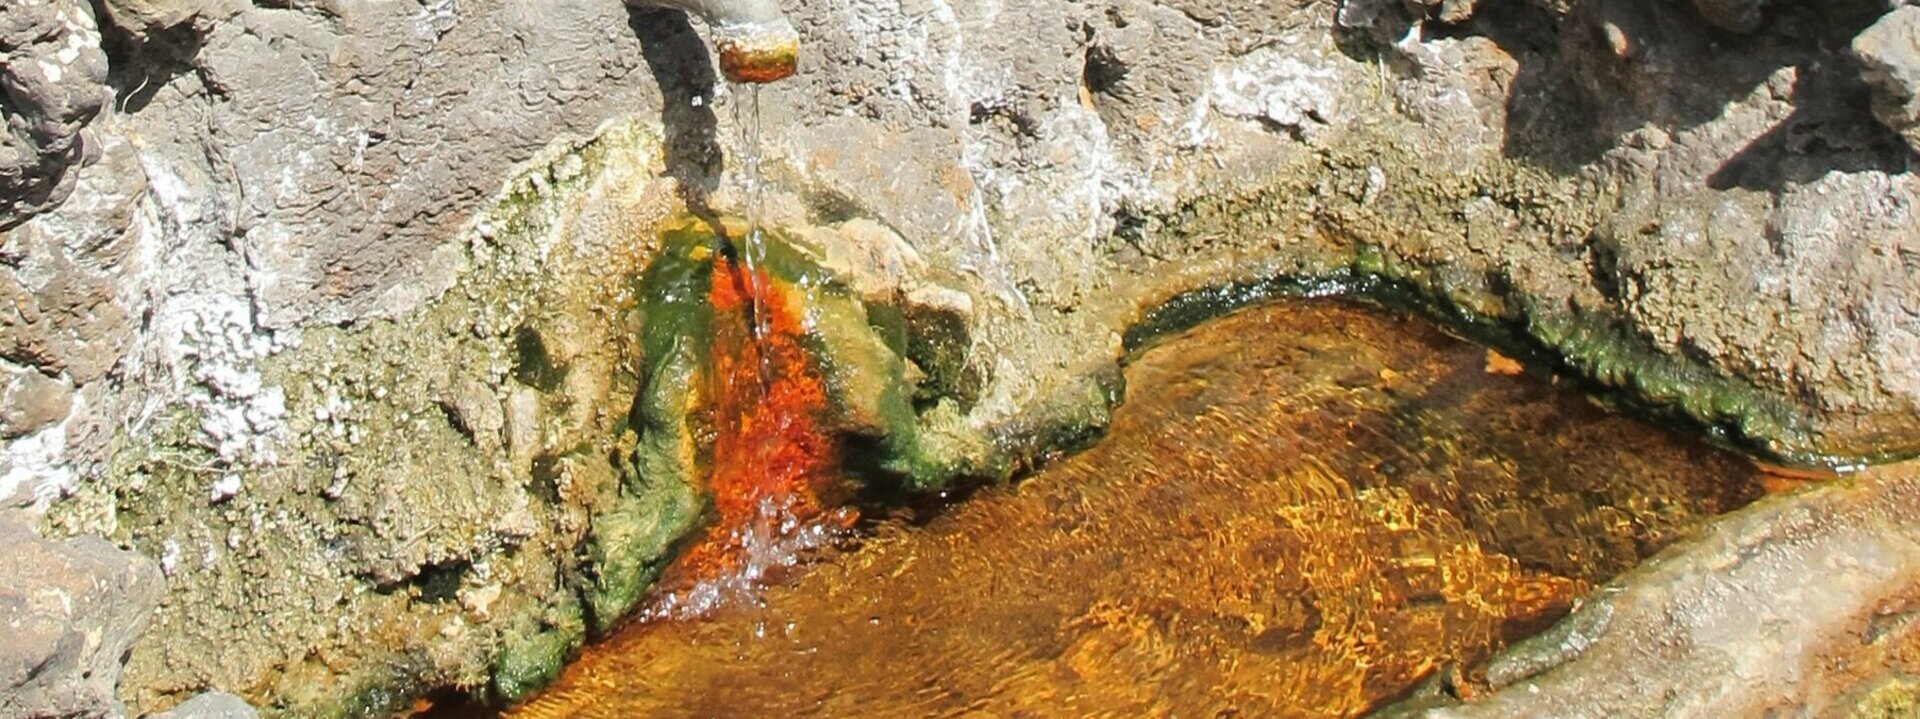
1801, 604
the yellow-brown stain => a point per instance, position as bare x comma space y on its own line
1301, 511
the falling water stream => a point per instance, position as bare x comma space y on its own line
753, 251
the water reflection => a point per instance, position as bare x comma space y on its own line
1301, 511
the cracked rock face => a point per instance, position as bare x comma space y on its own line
144, 18
1890, 52
69, 610
52, 84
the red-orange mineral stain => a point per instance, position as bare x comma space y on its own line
765, 401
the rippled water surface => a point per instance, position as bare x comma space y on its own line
1302, 510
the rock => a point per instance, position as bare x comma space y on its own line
30, 401
476, 412
1890, 54
520, 419
1448, 11
52, 84
69, 610
142, 18
75, 314
211, 705
873, 259
1735, 15
1732, 622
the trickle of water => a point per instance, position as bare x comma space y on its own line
775, 497
753, 250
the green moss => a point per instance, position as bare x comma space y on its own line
630, 544
1896, 699
1338, 247
533, 651
858, 350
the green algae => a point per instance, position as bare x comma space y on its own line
859, 355
1331, 243
1620, 368
533, 650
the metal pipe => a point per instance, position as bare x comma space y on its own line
755, 41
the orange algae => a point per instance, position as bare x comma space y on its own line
772, 461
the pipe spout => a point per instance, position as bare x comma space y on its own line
755, 41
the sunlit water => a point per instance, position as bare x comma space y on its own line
753, 250
1301, 511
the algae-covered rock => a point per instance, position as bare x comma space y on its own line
286, 315
533, 650
844, 354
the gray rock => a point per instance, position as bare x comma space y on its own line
1890, 52
69, 610
1735, 15
211, 705
142, 18
75, 313
52, 84
1790, 607
30, 401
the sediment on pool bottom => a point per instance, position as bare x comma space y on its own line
1302, 510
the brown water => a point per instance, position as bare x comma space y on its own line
1301, 511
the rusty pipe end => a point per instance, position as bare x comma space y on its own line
758, 54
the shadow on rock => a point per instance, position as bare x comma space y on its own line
1830, 129
1596, 70
683, 68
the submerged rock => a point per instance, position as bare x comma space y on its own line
1300, 511
1801, 604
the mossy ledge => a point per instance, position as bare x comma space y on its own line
1608, 361
1303, 230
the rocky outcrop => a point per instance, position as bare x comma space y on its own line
69, 610
144, 19
1735, 622
52, 84
338, 323
1890, 51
